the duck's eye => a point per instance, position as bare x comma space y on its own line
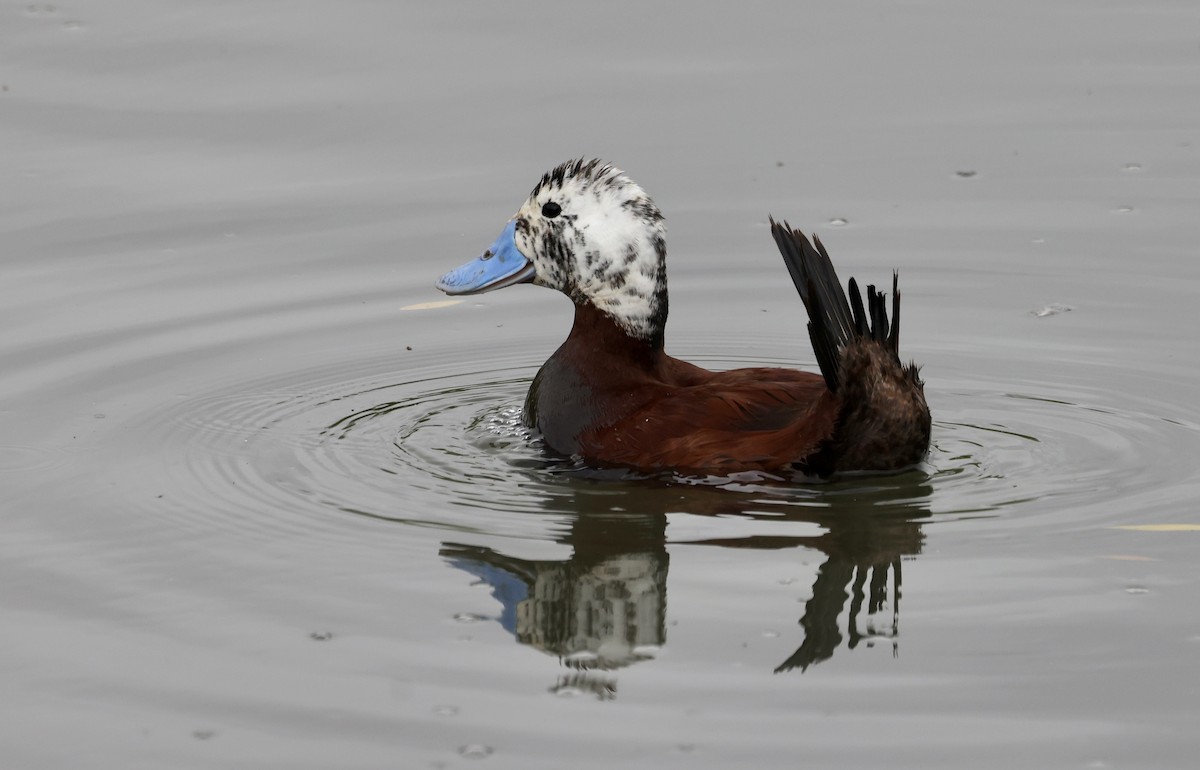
551, 210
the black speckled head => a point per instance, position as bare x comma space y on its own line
592, 233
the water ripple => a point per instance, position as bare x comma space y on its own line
445, 447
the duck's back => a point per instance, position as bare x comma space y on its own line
615, 401
740, 420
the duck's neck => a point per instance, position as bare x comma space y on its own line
633, 298
598, 334
593, 379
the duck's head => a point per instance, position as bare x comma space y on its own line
592, 233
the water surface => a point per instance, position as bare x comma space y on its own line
267, 501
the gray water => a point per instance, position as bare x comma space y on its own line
266, 499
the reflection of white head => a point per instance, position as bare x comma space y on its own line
594, 234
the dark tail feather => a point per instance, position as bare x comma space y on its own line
833, 320
894, 337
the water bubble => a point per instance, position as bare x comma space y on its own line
475, 750
1054, 308
1137, 590
446, 710
469, 617
568, 691
1124, 209
1133, 166
839, 222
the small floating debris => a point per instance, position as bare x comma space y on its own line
568, 691
432, 305
965, 173
321, 636
1137, 590
1131, 167
475, 751
1159, 527
1123, 210
1054, 308
469, 617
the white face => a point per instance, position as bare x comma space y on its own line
594, 234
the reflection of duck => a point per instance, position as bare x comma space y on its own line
612, 396
863, 545
604, 607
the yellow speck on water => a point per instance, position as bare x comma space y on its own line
432, 305
1160, 527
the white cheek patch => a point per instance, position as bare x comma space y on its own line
623, 280
605, 250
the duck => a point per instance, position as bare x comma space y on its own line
611, 397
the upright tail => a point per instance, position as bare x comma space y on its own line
834, 322
883, 420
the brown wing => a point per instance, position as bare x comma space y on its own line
746, 419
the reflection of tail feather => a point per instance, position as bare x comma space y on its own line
820, 619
